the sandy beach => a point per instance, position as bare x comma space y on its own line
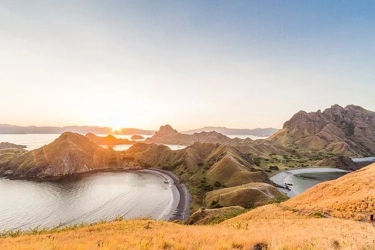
182, 211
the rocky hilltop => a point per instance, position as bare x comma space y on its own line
69, 154
168, 135
348, 131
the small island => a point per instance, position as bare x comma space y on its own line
137, 137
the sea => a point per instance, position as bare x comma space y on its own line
299, 180
90, 198
26, 205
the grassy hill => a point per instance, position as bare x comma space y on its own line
281, 230
294, 224
351, 196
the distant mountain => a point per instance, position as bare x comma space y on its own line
10, 145
108, 140
13, 129
168, 135
347, 131
261, 132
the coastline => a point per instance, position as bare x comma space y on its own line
285, 177
182, 211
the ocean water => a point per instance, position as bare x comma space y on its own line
303, 179
90, 198
33, 141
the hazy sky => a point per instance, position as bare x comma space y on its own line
241, 64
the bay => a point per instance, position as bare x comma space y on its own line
87, 199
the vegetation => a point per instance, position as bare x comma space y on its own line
270, 227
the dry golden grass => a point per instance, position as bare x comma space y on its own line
295, 224
290, 231
351, 196
248, 196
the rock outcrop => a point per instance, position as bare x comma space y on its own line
348, 131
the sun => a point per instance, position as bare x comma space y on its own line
116, 129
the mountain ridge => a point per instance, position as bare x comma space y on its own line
348, 131
261, 132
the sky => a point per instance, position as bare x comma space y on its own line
238, 64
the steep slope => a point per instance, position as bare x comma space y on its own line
346, 131
69, 154
202, 166
351, 196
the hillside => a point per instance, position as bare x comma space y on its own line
331, 215
282, 230
351, 196
348, 131
261, 132
202, 166
69, 154
248, 196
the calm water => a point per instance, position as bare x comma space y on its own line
27, 204
303, 179
33, 141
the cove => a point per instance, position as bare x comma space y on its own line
86, 199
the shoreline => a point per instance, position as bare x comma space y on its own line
284, 177
181, 212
